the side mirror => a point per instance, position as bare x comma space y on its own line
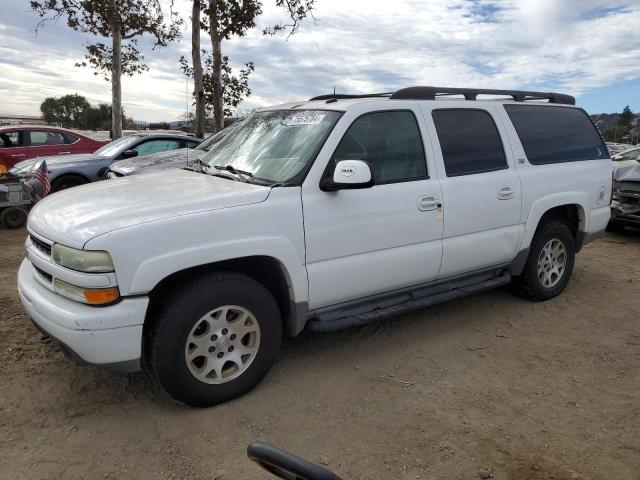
129, 154
349, 174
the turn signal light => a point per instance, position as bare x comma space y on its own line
100, 296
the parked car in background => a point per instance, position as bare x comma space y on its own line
630, 154
181, 158
625, 205
23, 142
66, 171
616, 148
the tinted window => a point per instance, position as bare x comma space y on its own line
469, 141
155, 146
10, 139
390, 142
556, 134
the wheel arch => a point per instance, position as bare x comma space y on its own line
61, 177
266, 270
570, 207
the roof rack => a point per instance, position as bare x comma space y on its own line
431, 93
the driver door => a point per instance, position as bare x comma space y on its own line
374, 240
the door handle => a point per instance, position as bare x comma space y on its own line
428, 202
64, 153
18, 155
505, 192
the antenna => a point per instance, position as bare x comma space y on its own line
186, 92
334, 90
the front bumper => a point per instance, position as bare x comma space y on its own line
625, 214
109, 345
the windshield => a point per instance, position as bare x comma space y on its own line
116, 147
211, 140
273, 146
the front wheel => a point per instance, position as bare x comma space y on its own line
550, 262
214, 339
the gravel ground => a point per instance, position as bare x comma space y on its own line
491, 385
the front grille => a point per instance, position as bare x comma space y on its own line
40, 245
43, 274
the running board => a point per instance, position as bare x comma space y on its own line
362, 312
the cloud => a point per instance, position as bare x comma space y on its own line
573, 46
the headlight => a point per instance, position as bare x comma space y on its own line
89, 261
90, 296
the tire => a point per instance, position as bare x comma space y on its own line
67, 181
193, 316
13, 217
555, 234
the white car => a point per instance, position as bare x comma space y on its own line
318, 215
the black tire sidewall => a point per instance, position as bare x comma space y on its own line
176, 322
66, 182
560, 231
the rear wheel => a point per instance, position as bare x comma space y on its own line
215, 339
67, 181
13, 217
550, 262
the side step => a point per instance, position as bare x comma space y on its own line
362, 312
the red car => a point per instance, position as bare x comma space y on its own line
22, 142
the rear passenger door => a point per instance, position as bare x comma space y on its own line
480, 188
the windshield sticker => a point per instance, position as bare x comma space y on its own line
306, 118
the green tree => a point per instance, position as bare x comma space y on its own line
234, 87
68, 110
222, 20
625, 117
117, 20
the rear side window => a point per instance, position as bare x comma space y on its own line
469, 141
70, 139
556, 134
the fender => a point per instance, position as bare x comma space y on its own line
544, 204
154, 269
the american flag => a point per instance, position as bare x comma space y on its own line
42, 175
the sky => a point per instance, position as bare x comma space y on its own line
587, 48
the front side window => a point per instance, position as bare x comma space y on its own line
273, 146
551, 134
10, 140
469, 141
42, 138
390, 142
155, 146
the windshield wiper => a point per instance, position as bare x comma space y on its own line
240, 173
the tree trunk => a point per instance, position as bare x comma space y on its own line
116, 72
198, 80
216, 47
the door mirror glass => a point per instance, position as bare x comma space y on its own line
349, 174
129, 154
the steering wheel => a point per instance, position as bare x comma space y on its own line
286, 466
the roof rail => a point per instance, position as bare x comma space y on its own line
430, 93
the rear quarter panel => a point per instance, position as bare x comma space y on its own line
586, 184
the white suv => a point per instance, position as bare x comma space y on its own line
324, 214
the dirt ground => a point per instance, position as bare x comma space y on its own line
526, 391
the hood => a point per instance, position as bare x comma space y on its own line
157, 161
628, 171
74, 216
